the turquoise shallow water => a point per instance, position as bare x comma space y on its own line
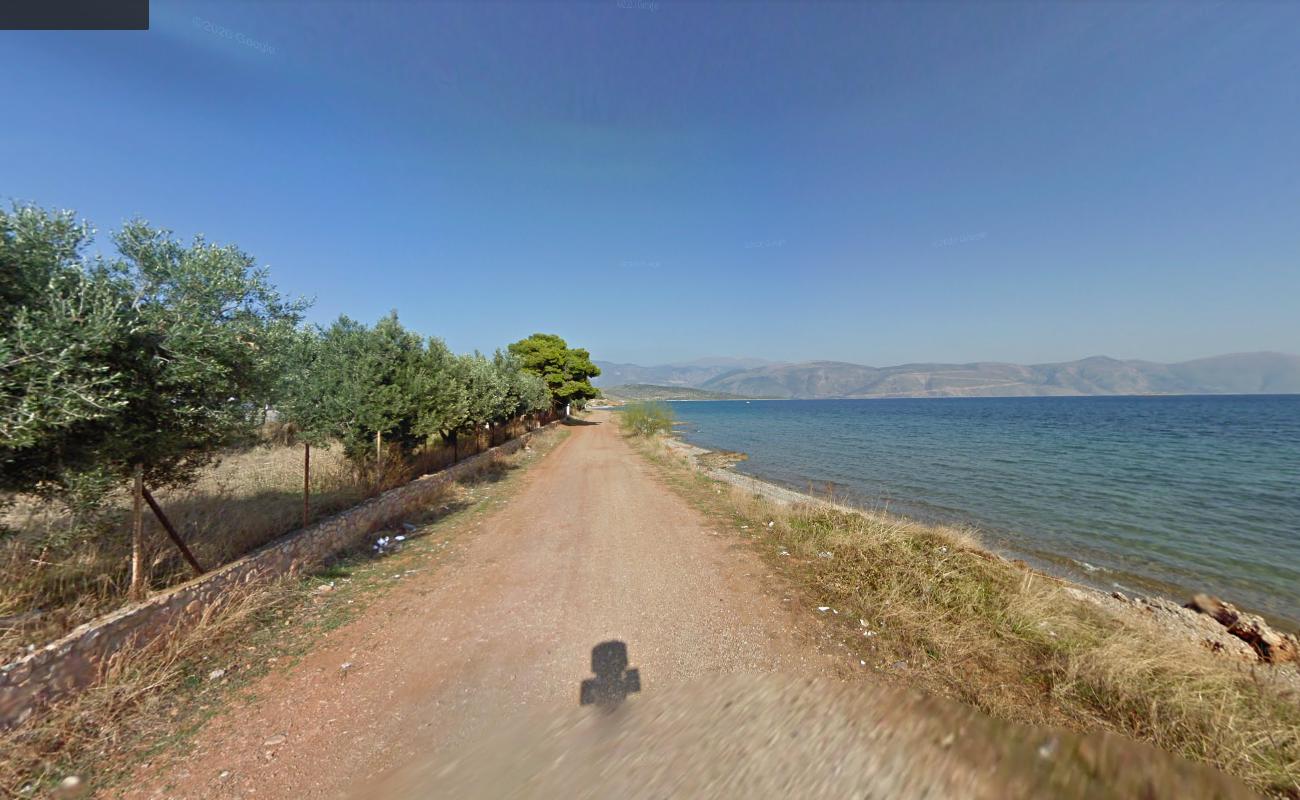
1155, 494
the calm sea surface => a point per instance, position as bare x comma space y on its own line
1158, 494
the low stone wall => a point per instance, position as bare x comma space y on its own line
75, 661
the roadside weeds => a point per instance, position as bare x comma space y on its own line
927, 606
69, 568
152, 699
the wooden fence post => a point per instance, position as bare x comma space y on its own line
137, 590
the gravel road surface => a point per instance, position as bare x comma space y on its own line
465, 680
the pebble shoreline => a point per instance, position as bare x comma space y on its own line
1195, 621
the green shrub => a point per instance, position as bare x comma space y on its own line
647, 418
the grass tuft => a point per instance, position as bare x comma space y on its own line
646, 418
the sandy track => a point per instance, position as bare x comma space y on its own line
591, 547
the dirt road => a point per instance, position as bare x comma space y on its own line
592, 547
464, 680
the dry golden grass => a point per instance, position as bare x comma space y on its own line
947, 616
132, 701
246, 500
150, 699
56, 580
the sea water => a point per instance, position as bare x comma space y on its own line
1171, 495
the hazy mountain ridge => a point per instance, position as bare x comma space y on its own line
1238, 373
647, 391
688, 373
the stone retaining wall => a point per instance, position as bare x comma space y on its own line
74, 661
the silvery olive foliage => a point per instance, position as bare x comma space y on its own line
164, 353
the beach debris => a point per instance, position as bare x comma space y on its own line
1182, 621
1224, 613
823, 609
408, 526
216, 674
785, 552
1271, 646
770, 523
276, 740
345, 667
1047, 749
825, 554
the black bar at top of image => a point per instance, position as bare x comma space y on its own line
74, 15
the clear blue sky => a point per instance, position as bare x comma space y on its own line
876, 183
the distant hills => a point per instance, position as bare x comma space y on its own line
649, 391
689, 373
1239, 373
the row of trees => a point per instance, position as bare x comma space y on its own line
148, 363
366, 386
155, 359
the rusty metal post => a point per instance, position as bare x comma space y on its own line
171, 531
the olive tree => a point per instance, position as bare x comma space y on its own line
209, 331
156, 359
356, 384
146, 364
442, 397
486, 390
526, 392
65, 331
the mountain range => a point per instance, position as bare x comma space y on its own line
1237, 373
650, 391
687, 373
